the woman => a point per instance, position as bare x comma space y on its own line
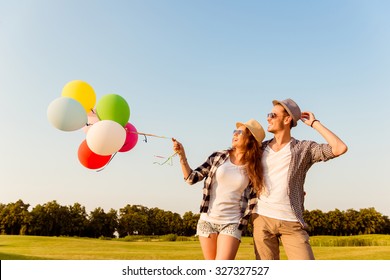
233, 179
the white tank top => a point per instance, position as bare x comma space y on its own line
225, 195
274, 202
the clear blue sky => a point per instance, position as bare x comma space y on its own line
191, 69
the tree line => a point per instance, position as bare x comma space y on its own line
53, 219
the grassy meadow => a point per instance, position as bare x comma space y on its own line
362, 247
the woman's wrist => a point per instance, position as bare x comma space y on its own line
183, 159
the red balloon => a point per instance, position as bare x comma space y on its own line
131, 138
89, 159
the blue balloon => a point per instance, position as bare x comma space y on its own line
66, 114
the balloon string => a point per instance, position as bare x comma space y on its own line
152, 135
168, 160
148, 134
93, 112
107, 163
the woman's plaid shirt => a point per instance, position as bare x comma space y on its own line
207, 171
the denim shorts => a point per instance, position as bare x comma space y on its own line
205, 228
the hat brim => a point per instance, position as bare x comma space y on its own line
238, 124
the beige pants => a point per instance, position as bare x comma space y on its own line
266, 234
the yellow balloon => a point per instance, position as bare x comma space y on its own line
82, 92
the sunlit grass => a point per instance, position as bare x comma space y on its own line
66, 248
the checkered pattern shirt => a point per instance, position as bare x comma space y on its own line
303, 155
207, 171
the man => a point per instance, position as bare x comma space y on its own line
285, 161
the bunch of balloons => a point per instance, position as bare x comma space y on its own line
106, 125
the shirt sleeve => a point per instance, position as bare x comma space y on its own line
201, 172
250, 201
321, 152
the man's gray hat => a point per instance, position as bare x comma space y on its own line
292, 109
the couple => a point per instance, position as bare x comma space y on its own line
263, 180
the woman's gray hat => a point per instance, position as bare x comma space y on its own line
292, 109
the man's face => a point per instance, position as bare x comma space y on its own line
278, 119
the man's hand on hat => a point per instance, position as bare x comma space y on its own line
307, 118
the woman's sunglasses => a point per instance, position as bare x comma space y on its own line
238, 131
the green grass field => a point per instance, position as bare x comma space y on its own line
367, 247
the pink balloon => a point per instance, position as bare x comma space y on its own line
92, 118
131, 138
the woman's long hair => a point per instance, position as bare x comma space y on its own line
252, 161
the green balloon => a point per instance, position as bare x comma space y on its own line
113, 107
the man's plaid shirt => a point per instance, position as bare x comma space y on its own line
207, 171
303, 155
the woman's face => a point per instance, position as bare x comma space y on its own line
239, 136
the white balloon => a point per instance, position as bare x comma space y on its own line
106, 137
66, 114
